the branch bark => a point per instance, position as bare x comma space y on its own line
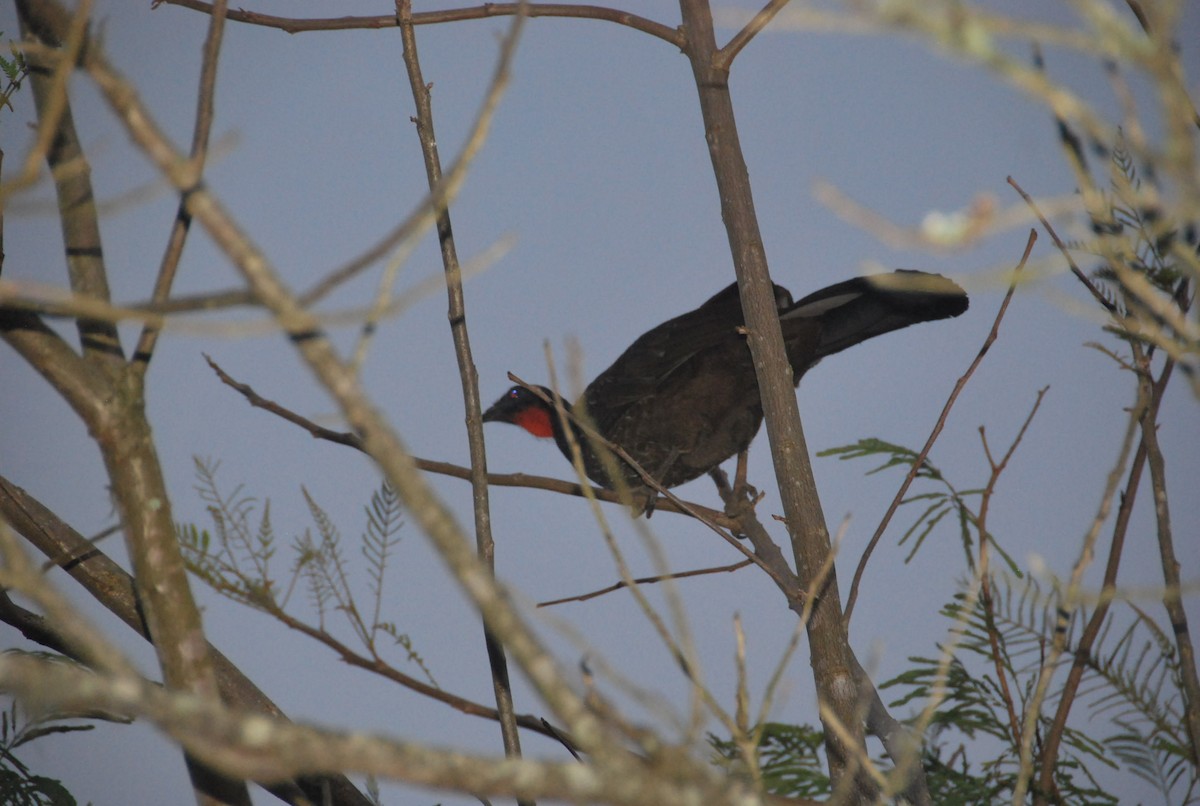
293, 25
111, 401
428, 512
468, 375
832, 659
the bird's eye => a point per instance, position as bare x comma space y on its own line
515, 392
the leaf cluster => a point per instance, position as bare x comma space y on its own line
236, 559
971, 757
790, 761
986, 678
1007, 639
942, 501
1149, 262
19, 786
15, 70
1138, 232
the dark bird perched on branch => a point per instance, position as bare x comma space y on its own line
684, 397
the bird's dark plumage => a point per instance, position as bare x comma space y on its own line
683, 398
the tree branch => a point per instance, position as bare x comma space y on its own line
616, 586
183, 221
293, 25
526, 480
261, 748
69, 167
724, 57
832, 659
457, 315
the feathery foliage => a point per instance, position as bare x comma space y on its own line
790, 760
20, 786
942, 501
15, 70
235, 559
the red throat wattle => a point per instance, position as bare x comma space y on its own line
536, 421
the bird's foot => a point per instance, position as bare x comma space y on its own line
642, 502
740, 498
743, 490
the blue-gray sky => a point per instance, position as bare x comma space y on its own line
597, 171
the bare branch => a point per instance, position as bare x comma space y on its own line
828, 641
457, 315
295, 26
616, 586
59, 143
985, 582
183, 220
724, 57
458, 471
261, 748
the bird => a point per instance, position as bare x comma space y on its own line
683, 398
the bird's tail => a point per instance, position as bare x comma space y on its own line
865, 307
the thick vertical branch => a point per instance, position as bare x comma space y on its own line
457, 315
73, 189
832, 659
1172, 583
113, 407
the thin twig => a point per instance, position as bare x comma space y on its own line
377, 666
1070, 601
616, 586
1172, 582
526, 480
293, 25
723, 58
199, 154
985, 586
1091, 631
938, 231
1062, 247
992, 335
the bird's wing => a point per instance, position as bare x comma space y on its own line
641, 371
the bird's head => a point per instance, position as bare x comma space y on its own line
523, 407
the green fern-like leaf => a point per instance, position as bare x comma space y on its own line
383, 527
892, 455
404, 641
789, 758
235, 557
18, 784
307, 567
34, 790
